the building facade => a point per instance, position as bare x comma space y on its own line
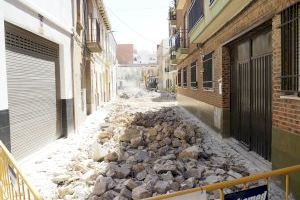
238, 71
167, 72
125, 54
58, 64
36, 96
94, 58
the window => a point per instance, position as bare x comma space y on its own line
208, 72
179, 78
194, 82
290, 66
211, 2
185, 77
196, 12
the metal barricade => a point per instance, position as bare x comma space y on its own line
241, 181
13, 183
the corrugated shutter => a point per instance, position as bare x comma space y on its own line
32, 93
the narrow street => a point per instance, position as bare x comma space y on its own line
139, 146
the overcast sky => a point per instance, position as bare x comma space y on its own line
143, 23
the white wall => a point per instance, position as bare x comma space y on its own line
55, 27
57, 9
3, 79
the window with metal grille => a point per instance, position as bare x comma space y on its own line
185, 77
208, 71
179, 78
196, 12
194, 82
290, 35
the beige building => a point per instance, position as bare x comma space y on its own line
94, 58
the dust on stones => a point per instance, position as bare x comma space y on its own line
140, 155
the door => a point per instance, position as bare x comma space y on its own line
251, 93
33, 98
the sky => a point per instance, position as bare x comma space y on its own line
143, 23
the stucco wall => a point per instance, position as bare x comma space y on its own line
19, 14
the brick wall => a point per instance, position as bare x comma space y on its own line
256, 13
125, 53
286, 112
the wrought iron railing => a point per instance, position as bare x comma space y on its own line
196, 12
172, 13
181, 39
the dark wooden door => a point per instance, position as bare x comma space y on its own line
251, 93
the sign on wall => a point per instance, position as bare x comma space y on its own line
258, 193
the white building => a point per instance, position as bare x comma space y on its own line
57, 65
36, 98
167, 72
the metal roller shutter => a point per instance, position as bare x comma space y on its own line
32, 91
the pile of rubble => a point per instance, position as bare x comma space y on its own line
143, 155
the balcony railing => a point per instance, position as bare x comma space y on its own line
195, 13
181, 40
93, 39
172, 14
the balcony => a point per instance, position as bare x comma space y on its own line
93, 40
207, 17
173, 60
172, 16
181, 44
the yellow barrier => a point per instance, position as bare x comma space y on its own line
241, 181
13, 183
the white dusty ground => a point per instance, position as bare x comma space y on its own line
55, 159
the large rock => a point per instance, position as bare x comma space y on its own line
126, 193
141, 175
129, 134
189, 183
190, 152
103, 184
141, 193
151, 134
212, 179
99, 152
121, 172
130, 184
164, 168
111, 157
110, 195
142, 156
180, 133
167, 176
161, 187
135, 142
197, 173
151, 179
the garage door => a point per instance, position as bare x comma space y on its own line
31, 63
251, 93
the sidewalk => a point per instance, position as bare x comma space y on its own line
51, 161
